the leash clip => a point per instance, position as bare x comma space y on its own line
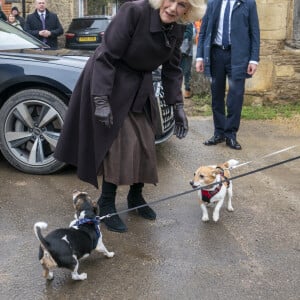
104, 217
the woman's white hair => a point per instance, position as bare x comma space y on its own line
195, 12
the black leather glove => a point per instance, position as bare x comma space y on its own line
103, 111
181, 122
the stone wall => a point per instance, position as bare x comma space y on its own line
278, 75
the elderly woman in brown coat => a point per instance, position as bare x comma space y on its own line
109, 127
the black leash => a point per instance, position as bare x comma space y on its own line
201, 188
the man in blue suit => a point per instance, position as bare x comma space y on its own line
228, 47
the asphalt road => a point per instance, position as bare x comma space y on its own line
251, 253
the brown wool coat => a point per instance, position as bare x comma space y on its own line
134, 45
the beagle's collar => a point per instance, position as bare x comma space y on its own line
94, 221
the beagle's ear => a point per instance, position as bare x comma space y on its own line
95, 207
77, 203
75, 195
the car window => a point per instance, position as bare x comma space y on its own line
11, 38
89, 24
101, 24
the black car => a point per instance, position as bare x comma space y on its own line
86, 32
35, 88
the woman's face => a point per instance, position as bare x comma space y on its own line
11, 18
172, 10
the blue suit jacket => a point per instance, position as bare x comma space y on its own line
244, 35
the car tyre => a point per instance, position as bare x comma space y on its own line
30, 125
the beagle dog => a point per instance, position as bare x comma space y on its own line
64, 247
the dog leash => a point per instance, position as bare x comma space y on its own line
201, 188
262, 157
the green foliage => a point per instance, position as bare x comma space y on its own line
202, 106
270, 112
201, 99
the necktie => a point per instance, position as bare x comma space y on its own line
44, 26
43, 21
225, 36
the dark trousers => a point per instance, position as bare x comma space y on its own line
186, 66
226, 120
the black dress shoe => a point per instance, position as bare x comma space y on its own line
233, 143
214, 140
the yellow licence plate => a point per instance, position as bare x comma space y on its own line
88, 39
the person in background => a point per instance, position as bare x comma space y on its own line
109, 128
228, 47
187, 58
12, 21
44, 24
2, 14
197, 25
16, 13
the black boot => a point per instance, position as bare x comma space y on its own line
106, 204
135, 198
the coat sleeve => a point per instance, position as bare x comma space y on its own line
30, 24
3, 16
203, 31
254, 33
117, 38
58, 30
189, 32
172, 76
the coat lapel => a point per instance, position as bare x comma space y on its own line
237, 4
216, 10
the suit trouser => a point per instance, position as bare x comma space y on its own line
226, 122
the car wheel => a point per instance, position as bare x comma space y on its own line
30, 125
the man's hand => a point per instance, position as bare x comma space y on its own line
45, 33
199, 66
251, 69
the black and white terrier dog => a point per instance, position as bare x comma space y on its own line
63, 247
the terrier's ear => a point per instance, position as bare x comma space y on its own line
219, 170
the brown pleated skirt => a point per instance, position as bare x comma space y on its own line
132, 157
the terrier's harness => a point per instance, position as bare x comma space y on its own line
207, 194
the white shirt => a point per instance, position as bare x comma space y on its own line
218, 39
42, 13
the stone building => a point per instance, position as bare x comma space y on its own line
278, 75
